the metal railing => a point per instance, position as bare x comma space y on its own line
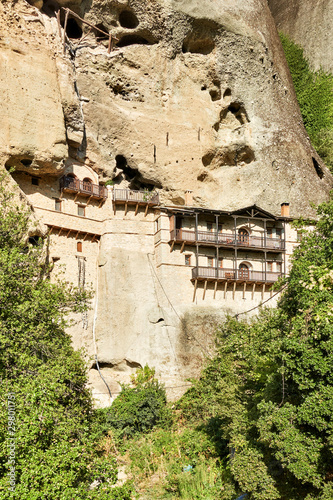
231, 239
223, 274
131, 195
73, 185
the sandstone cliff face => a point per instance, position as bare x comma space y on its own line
309, 24
196, 96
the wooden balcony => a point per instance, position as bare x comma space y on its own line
133, 197
231, 240
72, 185
201, 273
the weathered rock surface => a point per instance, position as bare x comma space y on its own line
198, 96
310, 24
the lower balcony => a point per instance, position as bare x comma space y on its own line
201, 273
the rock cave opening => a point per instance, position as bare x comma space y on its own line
26, 162
215, 91
196, 45
50, 7
127, 40
100, 36
318, 169
35, 240
73, 30
128, 19
239, 112
226, 93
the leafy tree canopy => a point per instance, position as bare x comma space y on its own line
270, 385
57, 455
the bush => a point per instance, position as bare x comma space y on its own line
139, 409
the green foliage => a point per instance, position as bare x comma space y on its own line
55, 454
141, 408
270, 385
179, 463
314, 91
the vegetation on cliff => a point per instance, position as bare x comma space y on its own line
314, 91
50, 440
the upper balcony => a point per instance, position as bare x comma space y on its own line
229, 240
202, 273
73, 185
134, 197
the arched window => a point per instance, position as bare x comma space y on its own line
243, 236
244, 271
87, 185
79, 246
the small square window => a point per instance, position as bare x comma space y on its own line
270, 266
35, 181
57, 205
81, 210
220, 263
79, 246
279, 267
187, 260
210, 227
210, 261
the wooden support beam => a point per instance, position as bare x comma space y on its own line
126, 205
172, 245
244, 289
93, 239
146, 211
75, 198
205, 288
86, 236
58, 21
195, 289
136, 208
263, 291
110, 44
225, 289
182, 248
65, 27
90, 197
215, 288
60, 231
77, 235
51, 229
233, 291
253, 290
69, 232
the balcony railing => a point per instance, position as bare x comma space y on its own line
73, 185
133, 196
240, 275
227, 239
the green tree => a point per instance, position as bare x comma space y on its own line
43, 381
270, 384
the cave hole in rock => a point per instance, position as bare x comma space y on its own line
35, 240
100, 36
226, 93
239, 112
128, 19
198, 45
50, 7
121, 365
121, 163
318, 169
127, 40
207, 159
73, 30
26, 162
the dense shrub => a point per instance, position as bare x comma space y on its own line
139, 409
314, 91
